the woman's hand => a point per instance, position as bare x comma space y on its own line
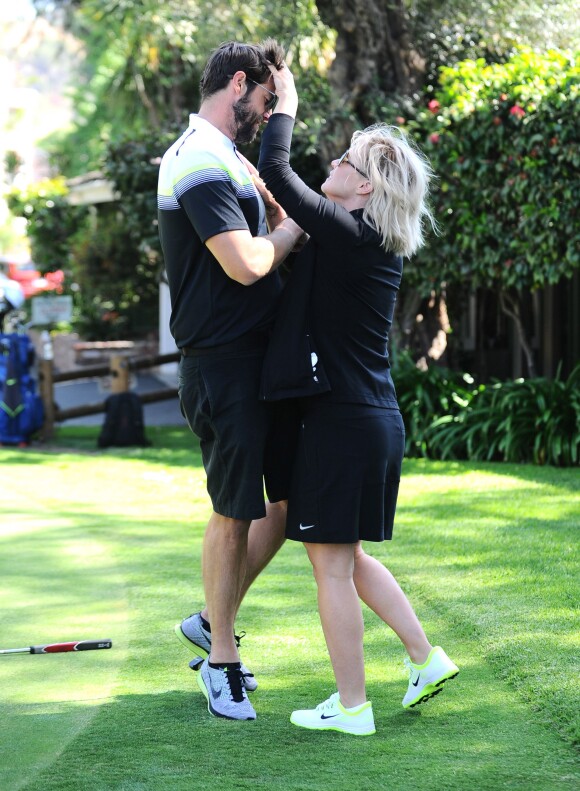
274, 212
286, 90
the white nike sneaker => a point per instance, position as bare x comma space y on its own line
225, 692
332, 716
426, 680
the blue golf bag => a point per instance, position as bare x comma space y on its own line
21, 410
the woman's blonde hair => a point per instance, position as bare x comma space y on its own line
399, 174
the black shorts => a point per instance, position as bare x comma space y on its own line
239, 435
346, 474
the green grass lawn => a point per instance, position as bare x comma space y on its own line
107, 544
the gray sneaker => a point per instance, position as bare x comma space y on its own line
191, 633
225, 692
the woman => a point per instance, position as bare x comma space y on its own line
341, 297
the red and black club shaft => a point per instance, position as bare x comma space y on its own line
59, 648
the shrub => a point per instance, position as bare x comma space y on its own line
426, 395
503, 142
50, 221
534, 420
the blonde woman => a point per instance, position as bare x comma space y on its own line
329, 348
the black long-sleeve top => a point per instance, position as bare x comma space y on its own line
352, 284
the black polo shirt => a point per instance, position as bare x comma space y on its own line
204, 190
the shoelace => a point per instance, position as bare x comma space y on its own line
238, 638
234, 679
326, 705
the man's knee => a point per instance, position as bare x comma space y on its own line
228, 524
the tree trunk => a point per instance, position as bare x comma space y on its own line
511, 307
374, 52
421, 327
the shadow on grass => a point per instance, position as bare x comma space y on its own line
169, 741
176, 447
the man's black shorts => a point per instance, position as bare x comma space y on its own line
245, 443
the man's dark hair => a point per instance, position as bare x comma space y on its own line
229, 57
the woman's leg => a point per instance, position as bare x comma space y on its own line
380, 591
341, 617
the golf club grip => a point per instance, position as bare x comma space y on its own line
77, 645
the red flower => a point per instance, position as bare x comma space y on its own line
518, 111
433, 105
497, 121
400, 120
434, 137
503, 97
508, 263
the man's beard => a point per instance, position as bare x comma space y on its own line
246, 120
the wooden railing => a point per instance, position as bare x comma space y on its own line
119, 369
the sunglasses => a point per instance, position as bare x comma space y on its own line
272, 101
344, 158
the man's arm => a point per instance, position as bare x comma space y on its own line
246, 258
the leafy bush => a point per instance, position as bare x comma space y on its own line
117, 294
113, 276
503, 142
425, 395
534, 420
447, 416
50, 221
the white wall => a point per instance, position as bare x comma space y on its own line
166, 342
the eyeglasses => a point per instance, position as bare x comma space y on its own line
344, 158
272, 101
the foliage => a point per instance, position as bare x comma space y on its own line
534, 420
112, 276
143, 58
12, 164
132, 166
117, 291
503, 142
425, 395
51, 221
527, 421
144, 61
450, 31
499, 130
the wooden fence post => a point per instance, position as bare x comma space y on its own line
119, 374
46, 376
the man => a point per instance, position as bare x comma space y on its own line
221, 261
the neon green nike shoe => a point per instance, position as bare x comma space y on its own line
426, 680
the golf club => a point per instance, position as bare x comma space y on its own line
58, 648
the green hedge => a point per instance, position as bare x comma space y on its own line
503, 140
524, 421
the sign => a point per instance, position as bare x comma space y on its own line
51, 310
